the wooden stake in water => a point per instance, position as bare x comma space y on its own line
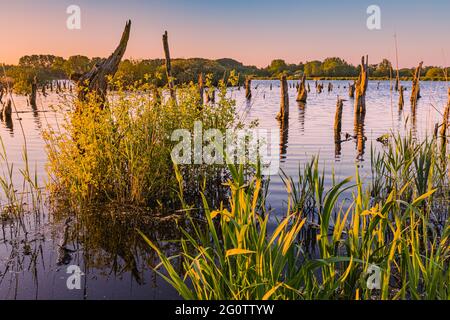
201, 86
415, 91
33, 93
361, 87
302, 93
401, 100
283, 115
248, 88
338, 126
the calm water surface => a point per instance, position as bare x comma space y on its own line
35, 251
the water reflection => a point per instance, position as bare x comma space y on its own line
284, 135
103, 242
301, 115
359, 135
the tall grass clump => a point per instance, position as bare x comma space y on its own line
331, 241
122, 151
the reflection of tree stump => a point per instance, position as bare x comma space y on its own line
415, 91
302, 93
7, 111
360, 137
361, 87
95, 81
283, 115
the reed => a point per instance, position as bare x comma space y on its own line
396, 221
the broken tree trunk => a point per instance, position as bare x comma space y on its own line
33, 93
361, 87
96, 80
168, 65
302, 93
248, 88
401, 101
415, 91
283, 115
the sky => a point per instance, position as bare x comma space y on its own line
253, 31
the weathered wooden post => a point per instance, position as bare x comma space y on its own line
96, 80
338, 119
201, 87
302, 93
248, 87
44, 94
168, 65
271, 87
319, 88
309, 88
33, 93
361, 87
401, 101
338, 126
283, 115
351, 90
415, 91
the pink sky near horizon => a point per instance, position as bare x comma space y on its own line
254, 38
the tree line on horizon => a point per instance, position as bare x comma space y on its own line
49, 67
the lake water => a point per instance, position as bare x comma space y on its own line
36, 250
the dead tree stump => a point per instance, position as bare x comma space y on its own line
361, 87
302, 93
33, 93
351, 90
283, 115
168, 65
338, 119
415, 91
201, 87
96, 80
401, 101
248, 88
